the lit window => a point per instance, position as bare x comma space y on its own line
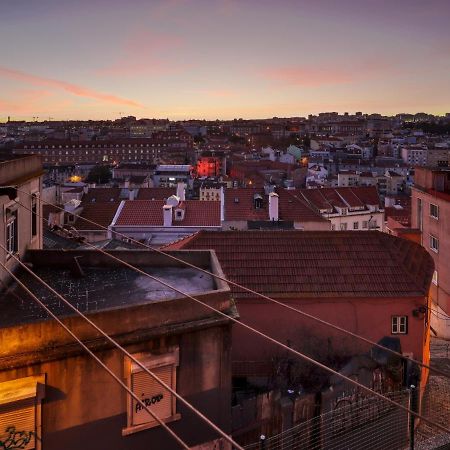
434, 211
434, 243
399, 325
150, 391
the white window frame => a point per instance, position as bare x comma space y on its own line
434, 243
11, 231
399, 325
152, 362
436, 215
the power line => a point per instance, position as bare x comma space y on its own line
258, 294
120, 382
265, 336
125, 352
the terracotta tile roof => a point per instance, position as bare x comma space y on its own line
401, 215
99, 195
355, 197
155, 193
150, 213
319, 263
101, 213
239, 205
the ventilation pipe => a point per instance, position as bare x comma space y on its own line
167, 214
273, 206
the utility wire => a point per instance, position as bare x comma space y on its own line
125, 352
267, 337
251, 291
86, 348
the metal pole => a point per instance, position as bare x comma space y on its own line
262, 442
412, 407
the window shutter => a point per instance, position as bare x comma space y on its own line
22, 416
154, 395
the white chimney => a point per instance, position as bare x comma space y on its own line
131, 194
222, 204
167, 214
273, 206
181, 191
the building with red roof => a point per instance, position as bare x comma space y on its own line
369, 283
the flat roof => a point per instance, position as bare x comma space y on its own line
99, 290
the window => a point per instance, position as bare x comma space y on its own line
355, 225
11, 231
333, 227
399, 325
344, 211
343, 226
434, 243
434, 211
150, 391
34, 215
365, 224
20, 412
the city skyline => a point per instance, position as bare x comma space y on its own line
221, 60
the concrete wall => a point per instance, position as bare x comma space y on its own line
84, 408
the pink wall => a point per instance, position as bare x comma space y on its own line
369, 317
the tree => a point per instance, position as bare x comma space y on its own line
99, 174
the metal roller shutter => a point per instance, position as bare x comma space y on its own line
22, 416
155, 396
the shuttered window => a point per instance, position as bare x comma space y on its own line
155, 396
20, 413
18, 425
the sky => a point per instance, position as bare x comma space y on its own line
206, 59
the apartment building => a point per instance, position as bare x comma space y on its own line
20, 207
431, 215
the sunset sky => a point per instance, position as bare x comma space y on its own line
182, 59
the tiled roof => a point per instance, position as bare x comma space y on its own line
355, 197
98, 195
150, 213
155, 193
401, 215
319, 263
101, 213
239, 205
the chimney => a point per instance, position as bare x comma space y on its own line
131, 194
222, 203
167, 214
273, 206
181, 191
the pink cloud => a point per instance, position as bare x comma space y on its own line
74, 89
